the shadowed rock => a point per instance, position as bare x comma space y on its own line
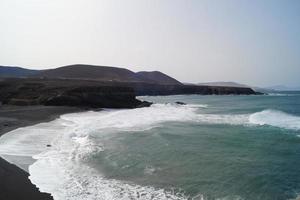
180, 103
67, 93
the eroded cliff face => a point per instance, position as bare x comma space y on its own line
156, 89
97, 94
67, 93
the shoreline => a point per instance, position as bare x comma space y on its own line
13, 117
14, 182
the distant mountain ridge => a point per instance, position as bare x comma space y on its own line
142, 83
91, 72
16, 72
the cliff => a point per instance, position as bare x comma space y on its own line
97, 94
96, 86
67, 93
156, 89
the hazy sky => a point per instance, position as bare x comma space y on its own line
255, 42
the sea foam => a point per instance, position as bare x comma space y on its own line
62, 168
62, 147
275, 118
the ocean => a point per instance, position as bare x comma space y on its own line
214, 147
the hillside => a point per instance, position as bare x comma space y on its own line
102, 77
158, 77
16, 72
91, 72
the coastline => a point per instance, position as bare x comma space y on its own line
14, 182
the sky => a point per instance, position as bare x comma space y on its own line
256, 42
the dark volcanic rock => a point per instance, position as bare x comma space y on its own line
67, 93
144, 104
97, 94
142, 89
180, 103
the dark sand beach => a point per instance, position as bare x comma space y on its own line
14, 182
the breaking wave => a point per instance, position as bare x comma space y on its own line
62, 147
276, 118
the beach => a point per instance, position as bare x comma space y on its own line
14, 182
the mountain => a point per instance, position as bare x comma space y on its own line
104, 73
102, 79
158, 77
91, 72
16, 72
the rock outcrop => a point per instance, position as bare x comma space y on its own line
142, 89
97, 94
67, 93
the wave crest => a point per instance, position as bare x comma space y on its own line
62, 171
275, 118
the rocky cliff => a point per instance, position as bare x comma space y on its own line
97, 94
67, 93
156, 89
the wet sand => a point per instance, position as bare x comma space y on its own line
14, 182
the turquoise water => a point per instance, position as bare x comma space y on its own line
215, 147
230, 160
